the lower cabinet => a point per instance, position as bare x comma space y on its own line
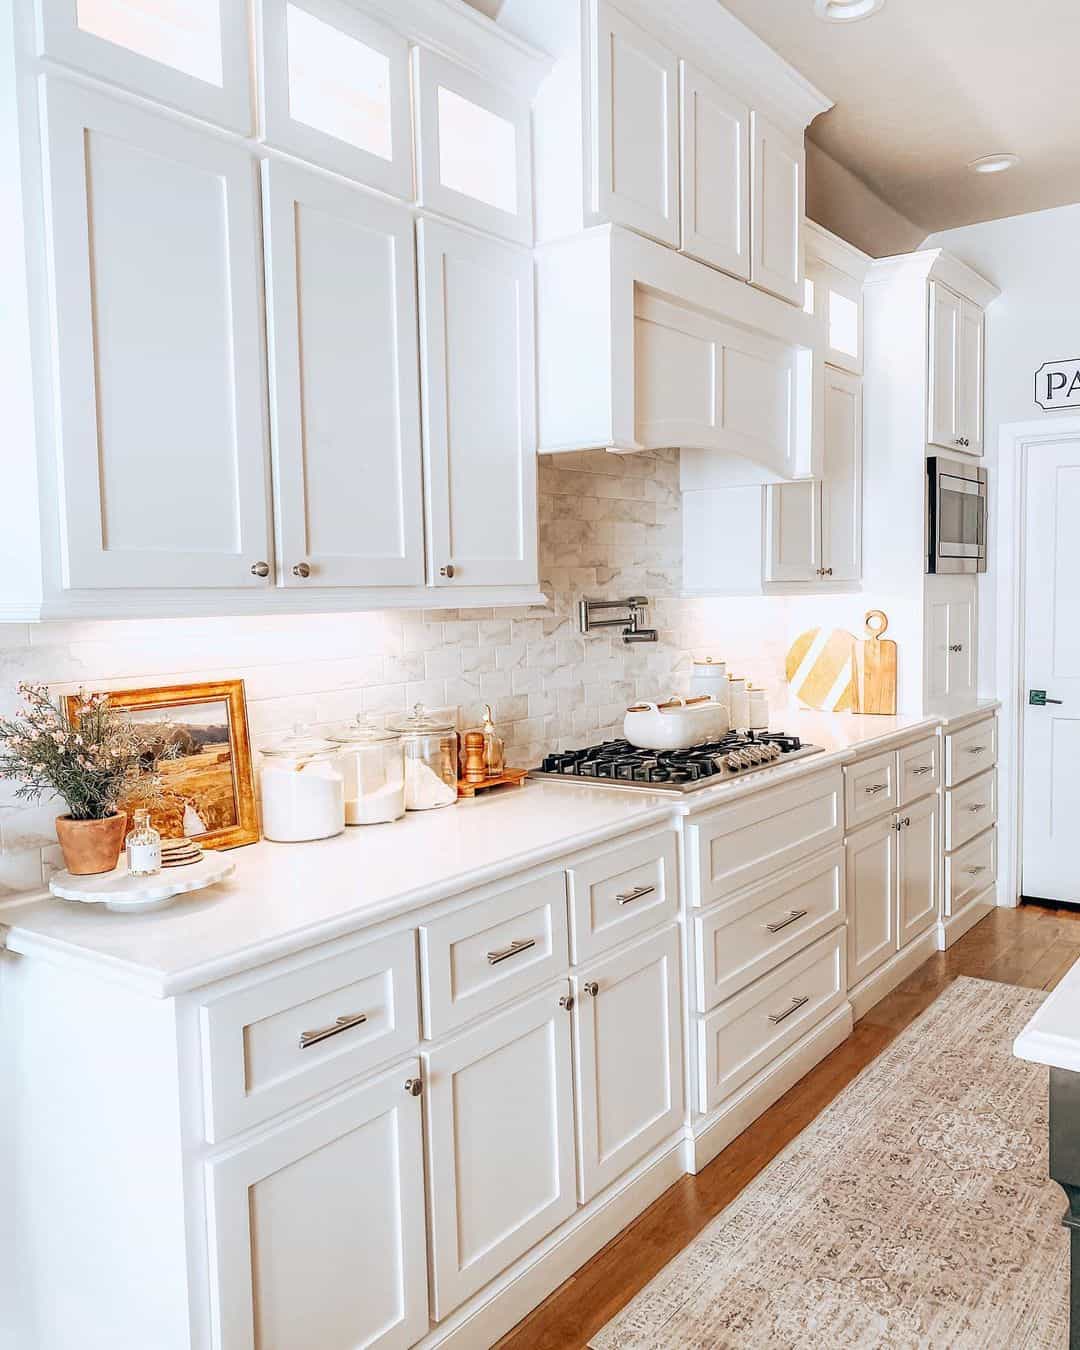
629, 1064
316, 1229
918, 831
500, 1136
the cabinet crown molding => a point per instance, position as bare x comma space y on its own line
824, 246
934, 264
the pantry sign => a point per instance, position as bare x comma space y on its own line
1057, 384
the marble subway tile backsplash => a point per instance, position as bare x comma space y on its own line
609, 526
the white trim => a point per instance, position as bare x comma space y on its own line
1014, 441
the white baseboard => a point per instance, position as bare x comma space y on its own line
517, 1291
885, 979
948, 930
714, 1132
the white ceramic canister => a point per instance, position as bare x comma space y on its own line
738, 704
302, 790
758, 704
710, 677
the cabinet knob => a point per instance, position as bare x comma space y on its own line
447, 571
956, 646
260, 569
567, 1001
414, 1086
591, 988
302, 570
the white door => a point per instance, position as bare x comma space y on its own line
793, 533
479, 401
714, 171
629, 1063
970, 377
500, 1142
841, 481
944, 367
951, 656
918, 861
634, 143
779, 195
345, 395
1051, 863
870, 855
316, 1228
153, 229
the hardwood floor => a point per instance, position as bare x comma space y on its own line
1032, 946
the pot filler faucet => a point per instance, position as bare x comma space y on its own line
630, 622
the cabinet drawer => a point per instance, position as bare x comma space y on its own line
920, 769
622, 892
970, 751
273, 1044
970, 809
735, 846
475, 959
742, 1036
759, 928
970, 871
870, 789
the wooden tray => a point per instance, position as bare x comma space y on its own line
516, 777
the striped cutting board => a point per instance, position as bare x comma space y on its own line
821, 670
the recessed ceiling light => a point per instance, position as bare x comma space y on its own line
846, 11
993, 163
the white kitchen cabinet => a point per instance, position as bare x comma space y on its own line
500, 1140
918, 861
778, 165
634, 144
479, 408
835, 272
714, 170
629, 1060
316, 1228
335, 91
190, 54
957, 328
872, 935
345, 397
153, 230
951, 641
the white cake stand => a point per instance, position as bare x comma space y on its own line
125, 894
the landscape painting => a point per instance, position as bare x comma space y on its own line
197, 744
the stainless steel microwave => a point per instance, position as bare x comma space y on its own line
955, 516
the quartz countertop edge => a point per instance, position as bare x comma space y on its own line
1052, 1037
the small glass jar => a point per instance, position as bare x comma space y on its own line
374, 768
143, 846
430, 744
302, 787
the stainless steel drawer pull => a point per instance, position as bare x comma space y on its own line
635, 894
308, 1038
792, 916
796, 1004
976, 749
923, 769
875, 788
516, 947
974, 871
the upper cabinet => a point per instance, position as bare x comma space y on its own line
715, 172
955, 371
193, 55
779, 194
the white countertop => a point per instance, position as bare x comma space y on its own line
1053, 1034
285, 897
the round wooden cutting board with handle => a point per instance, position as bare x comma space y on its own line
820, 668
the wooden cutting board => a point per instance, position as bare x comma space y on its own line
876, 667
820, 668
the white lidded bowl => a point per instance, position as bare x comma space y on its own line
676, 724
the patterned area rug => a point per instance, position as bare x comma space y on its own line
915, 1211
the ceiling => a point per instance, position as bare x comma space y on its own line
925, 86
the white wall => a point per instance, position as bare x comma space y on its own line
1035, 260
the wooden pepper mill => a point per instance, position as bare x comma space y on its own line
475, 766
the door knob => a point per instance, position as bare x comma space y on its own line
567, 1001
260, 569
591, 988
447, 571
414, 1086
302, 570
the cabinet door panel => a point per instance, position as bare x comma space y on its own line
714, 174
479, 399
951, 656
153, 229
793, 547
919, 862
345, 393
944, 367
871, 898
634, 135
629, 1058
970, 376
500, 1143
317, 1229
778, 208
841, 483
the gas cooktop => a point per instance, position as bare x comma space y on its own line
622, 765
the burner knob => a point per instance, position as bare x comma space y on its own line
775, 752
733, 761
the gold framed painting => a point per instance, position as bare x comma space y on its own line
205, 763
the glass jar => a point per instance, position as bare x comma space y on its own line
302, 786
430, 744
143, 847
374, 768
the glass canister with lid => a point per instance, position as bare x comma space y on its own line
430, 743
374, 771
302, 787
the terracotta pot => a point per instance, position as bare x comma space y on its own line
91, 846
